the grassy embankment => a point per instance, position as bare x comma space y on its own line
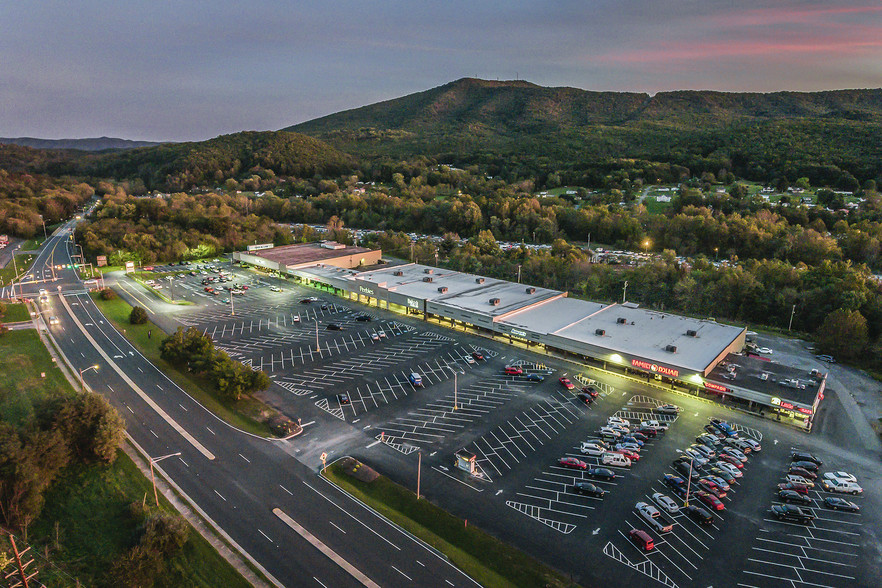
483, 557
247, 414
84, 525
15, 313
22, 263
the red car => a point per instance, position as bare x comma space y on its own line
572, 462
565, 382
711, 487
628, 453
709, 500
590, 390
209, 289
801, 488
513, 370
731, 460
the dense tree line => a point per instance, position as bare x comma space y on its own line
80, 429
196, 352
24, 197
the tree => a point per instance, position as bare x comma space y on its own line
93, 428
138, 316
107, 294
843, 334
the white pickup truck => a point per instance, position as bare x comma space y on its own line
654, 517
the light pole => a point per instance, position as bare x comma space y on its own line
646, 244
83, 371
455, 387
154, 460
232, 306
15, 277
792, 312
519, 273
624, 291
44, 228
688, 481
171, 287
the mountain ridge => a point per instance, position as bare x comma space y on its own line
86, 144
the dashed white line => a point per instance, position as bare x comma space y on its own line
264, 534
154, 434
182, 406
184, 462
210, 431
319, 581
245, 458
130, 409
338, 528
219, 494
402, 573
286, 490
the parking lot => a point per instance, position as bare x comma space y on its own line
355, 389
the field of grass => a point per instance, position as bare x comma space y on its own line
247, 414
32, 244
483, 557
22, 263
88, 503
653, 206
23, 361
16, 313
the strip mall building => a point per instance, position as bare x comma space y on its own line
689, 352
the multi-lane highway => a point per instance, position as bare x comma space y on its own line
301, 530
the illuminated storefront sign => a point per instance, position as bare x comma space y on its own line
365, 290
716, 387
518, 333
413, 303
805, 410
653, 367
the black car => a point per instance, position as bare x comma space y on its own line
698, 514
806, 465
804, 456
640, 436
334, 327
800, 471
590, 390
601, 474
791, 496
837, 503
683, 468
324, 307
305, 301
363, 318
588, 489
648, 432
788, 512
343, 399
586, 398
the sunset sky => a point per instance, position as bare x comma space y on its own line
189, 70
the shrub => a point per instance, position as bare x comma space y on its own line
138, 316
107, 294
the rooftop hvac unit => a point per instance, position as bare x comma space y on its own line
479, 280
398, 273
671, 348
428, 270
621, 321
442, 289
600, 332
691, 333
494, 301
427, 279
531, 290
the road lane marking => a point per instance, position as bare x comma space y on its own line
338, 528
402, 573
219, 494
177, 427
245, 458
286, 490
264, 534
327, 551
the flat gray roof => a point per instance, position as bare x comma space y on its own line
647, 333
749, 374
550, 316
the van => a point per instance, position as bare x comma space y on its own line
799, 480
641, 539
415, 380
616, 459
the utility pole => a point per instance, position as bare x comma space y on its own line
519, 273
15, 269
792, 312
23, 578
419, 471
316, 335
624, 291
232, 306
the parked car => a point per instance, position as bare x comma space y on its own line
806, 465
364, 318
566, 383
698, 514
726, 458
666, 503
791, 513
667, 409
601, 474
841, 486
513, 370
478, 355
802, 472
641, 539
587, 399
590, 390
792, 496
711, 487
534, 378
721, 473
572, 463
805, 456
591, 448
588, 489
709, 500
836, 503
826, 358
729, 469
718, 480
734, 453
844, 476
343, 399
793, 486
618, 421
334, 327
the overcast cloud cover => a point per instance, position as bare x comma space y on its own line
191, 70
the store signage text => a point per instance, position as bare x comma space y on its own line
654, 367
365, 290
413, 303
518, 333
717, 387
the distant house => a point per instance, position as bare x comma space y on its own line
662, 198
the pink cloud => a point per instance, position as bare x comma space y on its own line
772, 16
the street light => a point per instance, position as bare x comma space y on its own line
646, 244
84, 370
154, 460
455, 388
44, 227
171, 287
624, 291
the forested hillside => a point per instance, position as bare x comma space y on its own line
522, 128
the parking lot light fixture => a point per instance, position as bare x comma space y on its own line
154, 460
84, 370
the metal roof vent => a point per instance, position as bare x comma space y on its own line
621, 321
479, 280
428, 279
531, 290
600, 332
671, 348
691, 333
442, 289
428, 270
495, 301
398, 273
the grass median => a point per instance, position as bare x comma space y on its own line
15, 313
488, 560
84, 525
248, 414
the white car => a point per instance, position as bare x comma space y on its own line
841, 486
620, 428
729, 468
667, 409
53, 320
610, 431
752, 443
666, 502
841, 477
589, 448
619, 420
629, 446
382, 334
375, 337
295, 318
275, 289
764, 350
